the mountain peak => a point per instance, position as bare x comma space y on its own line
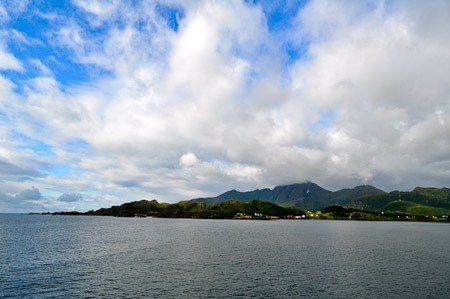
306, 195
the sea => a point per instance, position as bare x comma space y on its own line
44, 256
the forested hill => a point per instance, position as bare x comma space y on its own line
420, 201
189, 209
131, 209
306, 196
231, 209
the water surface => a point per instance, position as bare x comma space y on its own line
89, 257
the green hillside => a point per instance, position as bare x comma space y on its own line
227, 210
413, 208
434, 196
420, 201
131, 209
290, 200
195, 209
344, 196
306, 196
341, 213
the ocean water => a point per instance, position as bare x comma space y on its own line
44, 256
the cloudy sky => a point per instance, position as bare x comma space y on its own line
106, 101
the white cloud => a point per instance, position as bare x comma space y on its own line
244, 173
383, 78
6, 90
71, 36
19, 37
17, 6
102, 9
9, 62
188, 160
367, 103
3, 14
43, 69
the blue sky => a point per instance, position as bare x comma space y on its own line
108, 101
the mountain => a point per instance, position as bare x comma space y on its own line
307, 196
344, 196
420, 201
287, 200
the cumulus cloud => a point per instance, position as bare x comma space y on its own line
383, 79
218, 103
22, 199
70, 197
189, 159
25, 201
29, 195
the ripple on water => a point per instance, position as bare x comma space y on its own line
92, 257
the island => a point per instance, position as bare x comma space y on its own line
297, 201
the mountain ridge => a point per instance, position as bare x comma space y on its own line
425, 201
307, 195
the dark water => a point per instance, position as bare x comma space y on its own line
82, 257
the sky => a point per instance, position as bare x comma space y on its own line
104, 102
